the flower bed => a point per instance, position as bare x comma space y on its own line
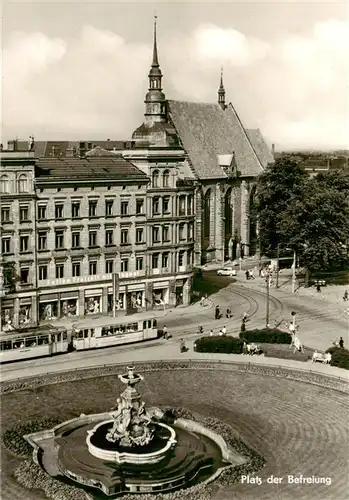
218, 343
266, 335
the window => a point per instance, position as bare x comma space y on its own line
124, 236
42, 240
59, 211
6, 245
165, 233
181, 258
166, 205
181, 231
155, 179
156, 205
156, 234
139, 235
92, 238
75, 209
109, 207
43, 272
124, 207
124, 265
22, 184
59, 270
182, 205
42, 212
24, 275
92, 208
4, 184
59, 238
165, 259
24, 243
190, 205
155, 260
109, 266
23, 214
76, 269
190, 258
166, 178
93, 267
109, 240
75, 240
5, 214
139, 263
139, 206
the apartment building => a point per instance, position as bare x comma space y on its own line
77, 233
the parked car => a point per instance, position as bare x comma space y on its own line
226, 271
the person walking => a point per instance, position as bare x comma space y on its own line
228, 315
165, 332
202, 301
247, 274
224, 331
318, 288
341, 342
211, 333
217, 312
345, 296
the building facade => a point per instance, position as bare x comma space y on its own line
79, 235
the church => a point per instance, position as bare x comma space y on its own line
207, 146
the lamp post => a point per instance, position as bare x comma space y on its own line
294, 271
277, 266
267, 304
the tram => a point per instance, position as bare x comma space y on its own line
33, 343
108, 332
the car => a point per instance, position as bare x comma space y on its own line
226, 271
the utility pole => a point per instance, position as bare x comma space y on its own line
294, 271
277, 266
267, 311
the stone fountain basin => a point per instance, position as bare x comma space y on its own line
154, 452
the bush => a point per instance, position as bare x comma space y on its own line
340, 357
228, 345
266, 336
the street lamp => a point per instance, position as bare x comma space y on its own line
293, 270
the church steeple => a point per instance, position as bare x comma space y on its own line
155, 100
221, 93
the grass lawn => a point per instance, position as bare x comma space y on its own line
209, 283
284, 351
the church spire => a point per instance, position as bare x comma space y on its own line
221, 93
155, 100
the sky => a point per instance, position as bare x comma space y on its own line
78, 70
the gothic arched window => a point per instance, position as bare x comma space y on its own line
155, 179
4, 184
166, 178
207, 213
22, 184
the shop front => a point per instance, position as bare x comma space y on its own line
93, 301
7, 315
160, 295
25, 312
48, 307
69, 304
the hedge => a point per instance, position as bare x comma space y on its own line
340, 357
228, 345
266, 336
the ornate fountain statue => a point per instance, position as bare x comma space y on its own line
132, 425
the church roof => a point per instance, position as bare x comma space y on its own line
206, 131
90, 168
98, 151
260, 146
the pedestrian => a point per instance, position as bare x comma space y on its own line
182, 346
228, 315
247, 274
318, 288
220, 333
200, 329
224, 330
217, 312
345, 296
341, 342
165, 332
243, 326
245, 317
211, 333
251, 274
202, 301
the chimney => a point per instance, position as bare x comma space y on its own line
273, 149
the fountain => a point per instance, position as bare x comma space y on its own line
131, 449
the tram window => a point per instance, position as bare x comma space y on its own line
6, 345
86, 333
18, 344
65, 335
59, 336
92, 331
144, 325
80, 334
155, 323
30, 342
133, 327
122, 329
104, 331
43, 340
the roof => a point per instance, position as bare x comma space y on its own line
90, 168
98, 151
260, 146
69, 148
206, 131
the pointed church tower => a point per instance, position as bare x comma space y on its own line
221, 93
155, 100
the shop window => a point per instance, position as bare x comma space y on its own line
43, 272
109, 208
24, 274
24, 315
23, 184
166, 178
24, 243
158, 297
155, 178
59, 270
92, 208
23, 214
5, 184
75, 240
6, 245
124, 265
92, 305
42, 240
48, 311
93, 268
59, 239
139, 235
109, 266
59, 211
5, 214
139, 263
139, 206
166, 205
42, 210
75, 209
124, 208
76, 269
69, 308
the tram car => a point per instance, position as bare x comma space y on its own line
33, 343
108, 332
